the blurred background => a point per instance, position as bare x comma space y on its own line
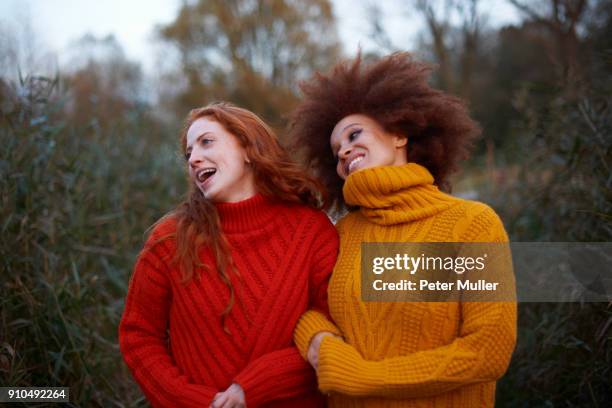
93, 94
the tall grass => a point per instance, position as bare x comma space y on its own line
563, 357
560, 189
75, 203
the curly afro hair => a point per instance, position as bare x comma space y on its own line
395, 92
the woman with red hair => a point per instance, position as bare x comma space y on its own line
385, 143
222, 279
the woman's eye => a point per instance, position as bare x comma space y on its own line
353, 135
187, 155
205, 141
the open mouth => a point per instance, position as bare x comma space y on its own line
204, 175
353, 163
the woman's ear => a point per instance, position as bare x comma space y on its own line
401, 141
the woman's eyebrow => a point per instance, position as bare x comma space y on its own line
334, 146
348, 126
202, 135
199, 137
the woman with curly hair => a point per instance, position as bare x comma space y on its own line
385, 143
223, 279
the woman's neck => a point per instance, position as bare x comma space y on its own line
395, 194
249, 214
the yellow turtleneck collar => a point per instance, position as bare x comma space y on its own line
395, 194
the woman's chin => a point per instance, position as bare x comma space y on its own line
207, 193
359, 167
208, 189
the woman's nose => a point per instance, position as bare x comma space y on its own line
345, 151
194, 160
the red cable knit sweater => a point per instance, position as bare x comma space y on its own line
171, 335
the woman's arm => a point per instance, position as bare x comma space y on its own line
284, 373
480, 353
276, 375
143, 338
317, 318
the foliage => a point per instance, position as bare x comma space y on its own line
76, 200
559, 188
251, 52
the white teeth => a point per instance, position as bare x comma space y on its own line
354, 162
203, 174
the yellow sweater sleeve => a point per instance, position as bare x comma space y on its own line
481, 353
311, 323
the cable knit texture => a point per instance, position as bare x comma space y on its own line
410, 354
171, 334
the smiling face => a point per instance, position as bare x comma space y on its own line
359, 142
218, 164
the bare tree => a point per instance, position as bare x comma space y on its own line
455, 28
378, 33
252, 52
438, 23
471, 25
561, 19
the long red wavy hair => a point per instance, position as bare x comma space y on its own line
276, 177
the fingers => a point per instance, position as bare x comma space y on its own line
233, 402
312, 357
219, 400
233, 397
237, 395
315, 346
313, 354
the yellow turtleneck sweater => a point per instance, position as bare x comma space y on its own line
408, 354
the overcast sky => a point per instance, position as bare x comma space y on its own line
57, 23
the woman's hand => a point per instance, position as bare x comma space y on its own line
233, 397
315, 345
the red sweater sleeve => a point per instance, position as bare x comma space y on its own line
284, 373
280, 374
143, 337
324, 255
317, 318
